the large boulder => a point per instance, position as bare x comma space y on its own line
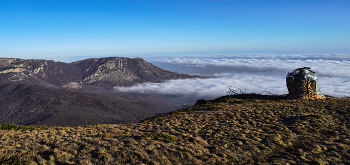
302, 83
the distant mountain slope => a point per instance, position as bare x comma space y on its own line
102, 73
35, 105
45, 92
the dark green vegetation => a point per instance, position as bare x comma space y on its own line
161, 136
239, 129
20, 127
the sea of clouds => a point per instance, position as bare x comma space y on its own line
250, 73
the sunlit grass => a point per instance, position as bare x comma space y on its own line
231, 129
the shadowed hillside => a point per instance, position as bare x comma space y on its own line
36, 105
241, 129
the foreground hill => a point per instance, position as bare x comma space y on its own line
89, 74
241, 129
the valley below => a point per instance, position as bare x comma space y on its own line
35, 105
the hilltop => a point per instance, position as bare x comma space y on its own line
238, 129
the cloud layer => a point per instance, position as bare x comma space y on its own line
251, 73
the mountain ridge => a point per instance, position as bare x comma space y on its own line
45, 92
88, 74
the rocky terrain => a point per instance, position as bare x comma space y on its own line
44, 92
237, 129
89, 74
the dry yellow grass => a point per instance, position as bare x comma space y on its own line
228, 130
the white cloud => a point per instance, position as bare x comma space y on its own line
336, 66
253, 73
194, 89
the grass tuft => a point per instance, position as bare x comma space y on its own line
14, 161
162, 137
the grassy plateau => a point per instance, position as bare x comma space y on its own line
236, 129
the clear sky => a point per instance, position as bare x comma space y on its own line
44, 28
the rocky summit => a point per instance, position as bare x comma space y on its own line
89, 74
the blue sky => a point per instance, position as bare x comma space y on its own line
95, 28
